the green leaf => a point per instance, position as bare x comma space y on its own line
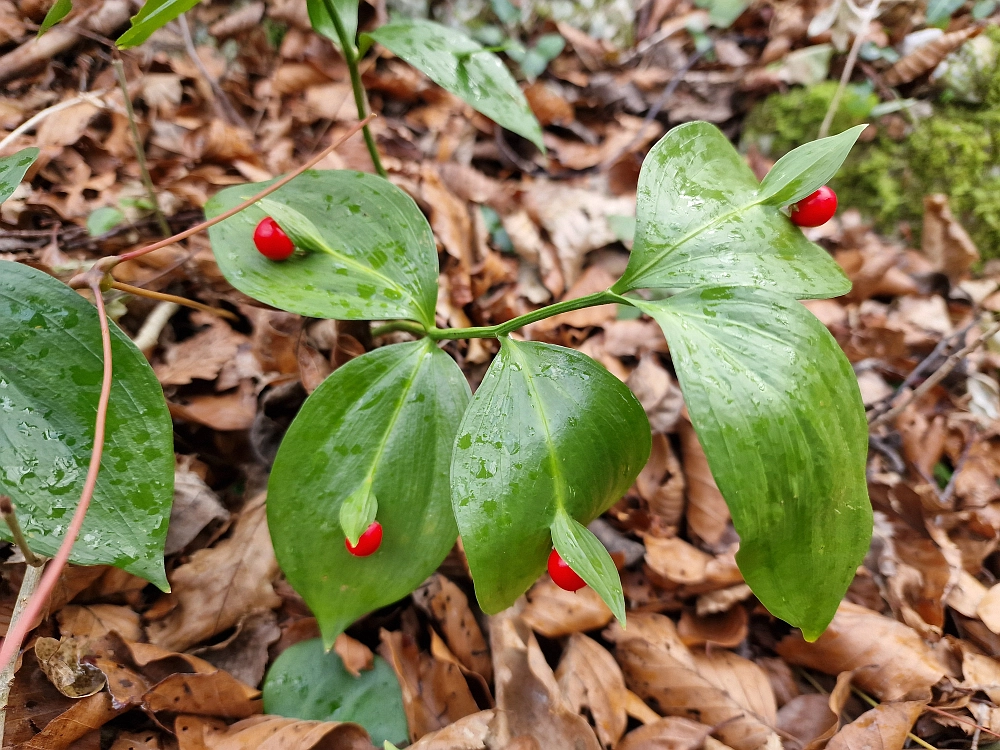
702, 221
391, 415
51, 367
777, 409
57, 12
723, 13
308, 683
461, 65
939, 12
358, 511
380, 261
806, 169
154, 15
589, 559
548, 429
12, 169
323, 24
103, 219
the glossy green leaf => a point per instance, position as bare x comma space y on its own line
51, 368
548, 428
391, 416
777, 409
321, 22
589, 559
462, 66
306, 682
59, 10
358, 511
939, 12
153, 15
701, 220
12, 169
807, 168
382, 262
103, 219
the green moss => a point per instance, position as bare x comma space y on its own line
955, 151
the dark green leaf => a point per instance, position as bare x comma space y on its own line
701, 221
103, 220
461, 65
806, 169
12, 169
307, 683
382, 262
358, 511
154, 15
51, 367
589, 559
323, 24
57, 12
777, 409
939, 12
549, 428
390, 415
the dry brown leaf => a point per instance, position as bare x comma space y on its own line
656, 390
676, 560
671, 733
227, 412
195, 507
883, 728
435, 694
555, 612
549, 106
927, 56
632, 338
726, 629
449, 218
68, 127
137, 741
468, 733
944, 240
889, 659
33, 702
219, 585
981, 673
245, 654
594, 279
707, 512
809, 720
590, 678
355, 655
449, 606
661, 485
202, 356
83, 717
723, 690
529, 702
269, 733
96, 620
62, 663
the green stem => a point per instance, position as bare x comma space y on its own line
399, 325
351, 58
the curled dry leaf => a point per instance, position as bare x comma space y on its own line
448, 605
269, 733
723, 690
83, 717
890, 659
202, 356
62, 662
671, 733
727, 629
244, 654
944, 240
435, 694
809, 720
468, 733
221, 584
529, 701
927, 56
661, 484
590, 678
884, 727
195, 507
96, 620
658, 393
707, 513
555, 612
355, 655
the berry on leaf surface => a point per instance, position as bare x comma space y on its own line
368, 542
815, 209
563, 575
271, 240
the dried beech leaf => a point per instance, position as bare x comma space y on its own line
355, 655
83, 717
449, 606
883, 728
590, 678
671, 733
707, 512
809, 720
96, 620
468, 733
554, 612
269, 733
61, 661
944, 240
890, 660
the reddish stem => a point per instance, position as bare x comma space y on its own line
26, 622
250, 201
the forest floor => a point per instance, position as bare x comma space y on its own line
246, 91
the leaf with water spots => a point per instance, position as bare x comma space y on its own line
12, 169
548, 429
374, 256
777, 409
702, 219
51, 367
389, 418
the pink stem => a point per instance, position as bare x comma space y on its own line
33, 610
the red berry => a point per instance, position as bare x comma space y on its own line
271, 240
367, 542
816, 209
563, 575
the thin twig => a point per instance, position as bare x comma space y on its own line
249, 202
10, 517
222, 104
936, 377
24, 127
36, 603
29, 585
845, 77
140, 292
140, 152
